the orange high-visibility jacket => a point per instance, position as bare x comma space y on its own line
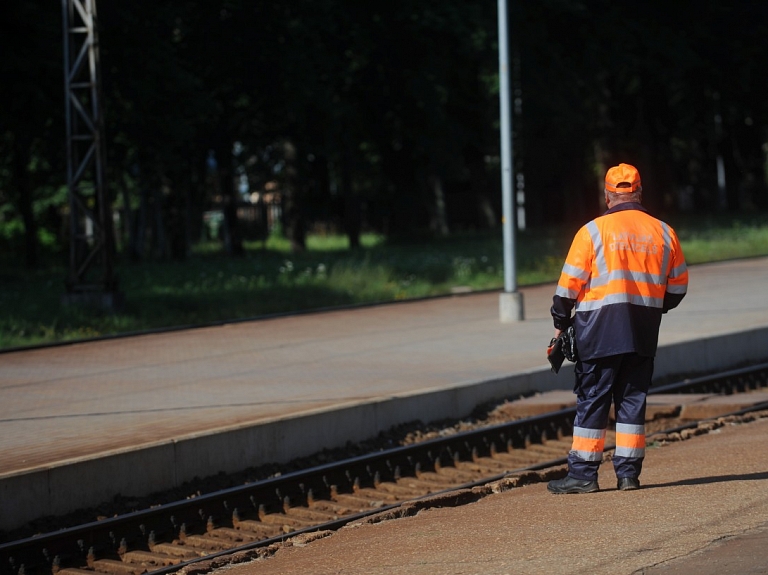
623, 271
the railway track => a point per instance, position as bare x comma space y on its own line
171, 537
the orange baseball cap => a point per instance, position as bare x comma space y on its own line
623, 174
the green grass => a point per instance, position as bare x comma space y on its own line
210, 287
715, 239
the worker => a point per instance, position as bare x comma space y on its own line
623, 271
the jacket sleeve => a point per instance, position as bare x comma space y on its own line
576, 272
677, 278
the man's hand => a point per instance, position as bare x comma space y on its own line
552, 342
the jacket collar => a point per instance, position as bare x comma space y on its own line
626, 206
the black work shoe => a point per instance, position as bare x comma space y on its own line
570, 484
628, 483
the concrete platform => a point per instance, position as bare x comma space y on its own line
76, 421
702, 510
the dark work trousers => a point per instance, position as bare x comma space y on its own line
623, 379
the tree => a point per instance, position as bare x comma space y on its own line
32, 106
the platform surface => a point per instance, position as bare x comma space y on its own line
84, 400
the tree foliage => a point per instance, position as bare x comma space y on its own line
386, 116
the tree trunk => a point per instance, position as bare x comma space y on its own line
141, 223
233, 239
439, 219
159, 228
23, 184
128, 217
295, 226
177, 223
351, 206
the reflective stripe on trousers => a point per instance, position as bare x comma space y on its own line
588, 444
630, 440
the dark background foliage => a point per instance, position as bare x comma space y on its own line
384, 116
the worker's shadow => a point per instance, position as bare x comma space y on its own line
714, 479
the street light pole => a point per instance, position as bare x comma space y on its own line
511, 300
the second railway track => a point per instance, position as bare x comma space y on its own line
169, 537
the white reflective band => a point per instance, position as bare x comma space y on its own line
589, 433
588, 455
620, 298
678, 271
629, 452
636, 277
677, 289
630, 428
568, 293
597, 245
667, 247
575, 272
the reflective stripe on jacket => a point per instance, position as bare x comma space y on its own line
624, 269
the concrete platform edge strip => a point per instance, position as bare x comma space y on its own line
72, 485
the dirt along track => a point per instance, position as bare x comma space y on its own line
447, 466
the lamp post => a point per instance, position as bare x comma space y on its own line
511, 300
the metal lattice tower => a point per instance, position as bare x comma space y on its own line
91, 271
